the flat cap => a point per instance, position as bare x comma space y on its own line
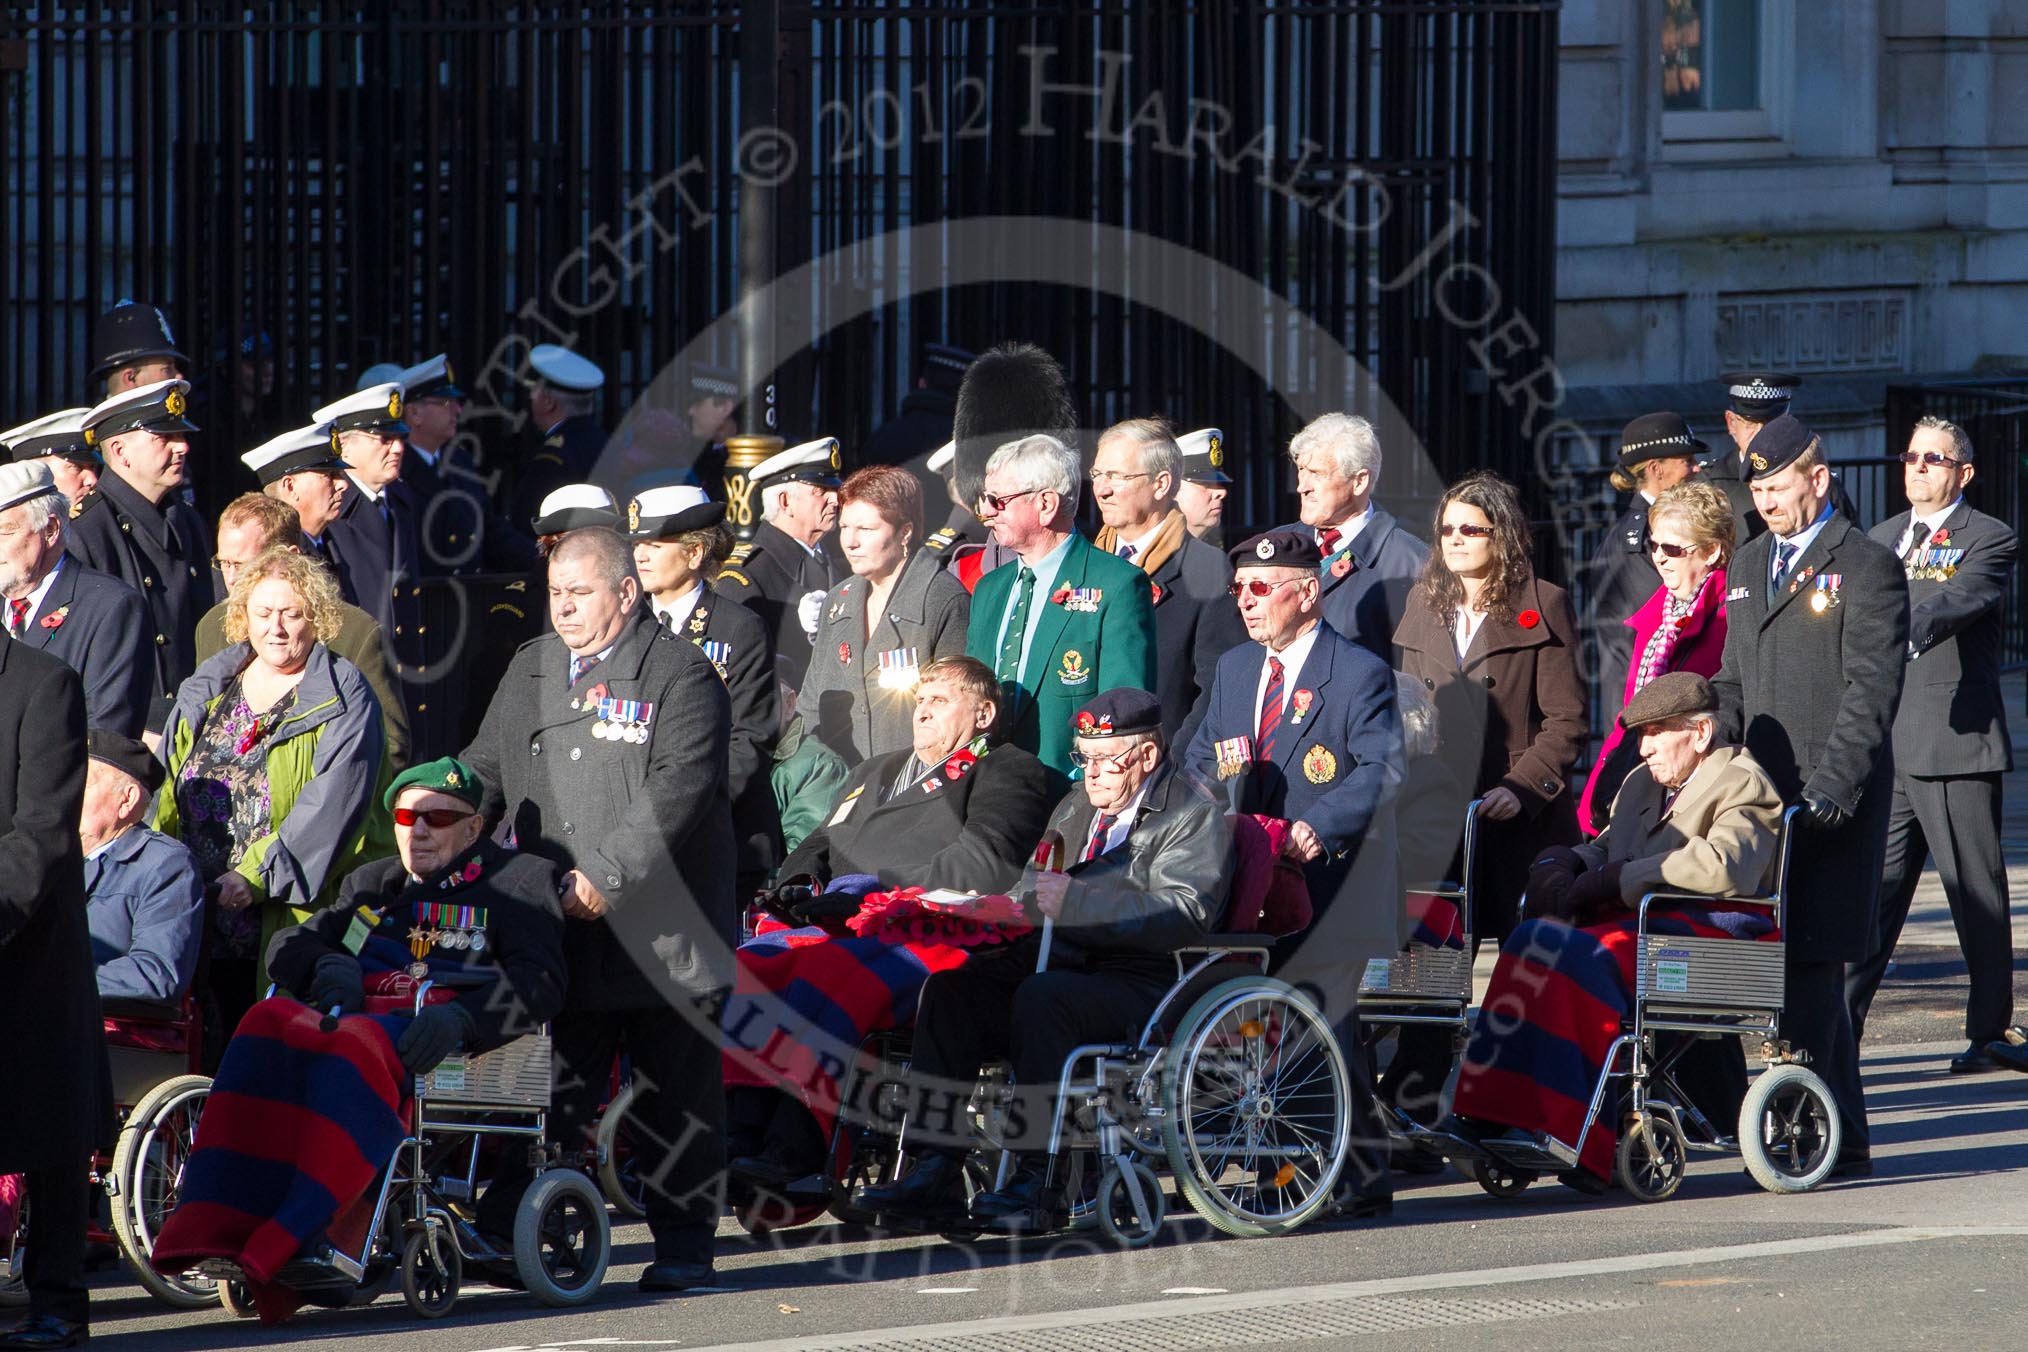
446, 775
1204, 456
157, 408
1776, 446
376, 409
667, 512
573, 507
22, 480
1117, 713
1674, 695
124, 753
1283, 548
1655, 436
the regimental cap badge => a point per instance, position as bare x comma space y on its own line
394, 405
1264, 550
334, 437
634, 514
91, 437
836, 462
450, 376
175, 402
451, 778
1216, 452
1759, 462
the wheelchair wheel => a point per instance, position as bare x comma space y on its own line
562, 1239
237, 1300
1495, 1179
1789, 1130
1256, 1108
618, 1177
1119, 1219
431, 1270
147, 1177
1652, 1159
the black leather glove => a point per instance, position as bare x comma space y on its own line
1596, 894
783, 902
1820, 813
1549, 882
828, 906
337, 980
432, 1035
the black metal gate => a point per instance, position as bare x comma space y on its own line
346, 183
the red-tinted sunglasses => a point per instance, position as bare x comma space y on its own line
439, 818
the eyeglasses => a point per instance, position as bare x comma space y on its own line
1668, 551
998, 502
439, 818
227, 566
1084, 760
1106, 476
1934, 459
1469, 532
1257, 587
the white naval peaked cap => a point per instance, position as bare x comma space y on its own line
564, 369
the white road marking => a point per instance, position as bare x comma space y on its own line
1196, 1290
946, 1290
1381, 1286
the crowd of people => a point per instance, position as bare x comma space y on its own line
252, 759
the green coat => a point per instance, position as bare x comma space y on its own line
806, 778
1076, 653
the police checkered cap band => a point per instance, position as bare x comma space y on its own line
1760, 389
1684, 440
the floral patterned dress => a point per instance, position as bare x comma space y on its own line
223, 801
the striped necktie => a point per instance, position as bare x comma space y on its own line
1270, 712
1785, 554
1101, 828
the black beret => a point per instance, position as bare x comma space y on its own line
1776, 446
1285, 548
1118, 712
1653, 436
124, 753
1675, 695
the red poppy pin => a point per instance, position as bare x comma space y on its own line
55, 617
470, 873
1942, 537
1342, 566
1302, 701
844, 654
956, 767
1158, 592
1059, 596
248, 738
1528, 619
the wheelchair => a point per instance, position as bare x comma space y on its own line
421, 1232
1788, 1129
1235, 1085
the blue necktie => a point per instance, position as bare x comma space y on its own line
1785, 554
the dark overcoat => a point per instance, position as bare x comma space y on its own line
1813, 689
98, 625
848, 697
1196, 623
647, 821
1367, 582
737, 643
769, 575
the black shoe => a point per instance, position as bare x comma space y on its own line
935, 1185
2006, 1054
1978, 1059
1030, 1203
46, 1330
766, 1170
675, 1276
1853, 1166
1348, 1205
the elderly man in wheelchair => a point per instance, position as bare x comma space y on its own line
1696, 817
454, 945
1152, 865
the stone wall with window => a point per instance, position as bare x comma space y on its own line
1835, 189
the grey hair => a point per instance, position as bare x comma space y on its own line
1039, 462
1961, 441
1156, 442
1420, 734
611, 556
573, 403
1346, 437
40, 510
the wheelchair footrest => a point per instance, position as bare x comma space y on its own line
1536, 1154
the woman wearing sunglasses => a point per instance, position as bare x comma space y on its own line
1679, 628
1495, 647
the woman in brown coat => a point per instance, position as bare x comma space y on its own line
1495, 646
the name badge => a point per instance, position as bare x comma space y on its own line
845, 807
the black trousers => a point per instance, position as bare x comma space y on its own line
59, 1200
1817, 1020
999, 1006
1956, 820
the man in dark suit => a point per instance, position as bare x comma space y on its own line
1950, 735
1370, 562
1754, 399
1303, 726
136, 526
1065, 622
782, 573
58, 1104
677, 534
458, 529
1133, 480
1817, 624
952, 811
1657, 452
96, 624
1153, 864
604, 749
562, 400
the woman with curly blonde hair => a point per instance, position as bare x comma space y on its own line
275, 754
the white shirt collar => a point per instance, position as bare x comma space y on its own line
1123, 824
1934, 521
41, 590
1349, 528
1142, 544
1293, 658
370, 494
424, 454
676, 612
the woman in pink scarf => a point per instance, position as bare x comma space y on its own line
1680, 628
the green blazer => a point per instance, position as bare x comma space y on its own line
1076, 653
